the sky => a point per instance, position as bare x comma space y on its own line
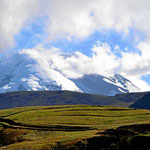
112, 35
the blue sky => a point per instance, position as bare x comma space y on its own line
71, 26
33, 35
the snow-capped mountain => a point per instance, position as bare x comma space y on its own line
37, 70
105, 85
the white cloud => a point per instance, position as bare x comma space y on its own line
78, 64
72, 19
137, 80
14, 14
131, 65
78, 19
137, 63
75, 65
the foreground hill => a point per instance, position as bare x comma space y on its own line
40, 70
46, 98
74, 127
143, 103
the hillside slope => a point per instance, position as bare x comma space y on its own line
46, 98
142, 103
74, 126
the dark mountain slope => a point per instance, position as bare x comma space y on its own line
130, 97
45, 98
143, 103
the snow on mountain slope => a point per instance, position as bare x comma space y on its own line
105, 85
37, 69
30, 70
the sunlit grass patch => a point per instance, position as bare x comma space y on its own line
44, 126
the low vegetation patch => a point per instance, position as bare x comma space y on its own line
134, 137
72, 127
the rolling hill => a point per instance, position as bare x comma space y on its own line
142, 103
74, 127
46, 98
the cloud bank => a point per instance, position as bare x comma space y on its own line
78, 19
103, 61
71, 19
13, 17
131, 65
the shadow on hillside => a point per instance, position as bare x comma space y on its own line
133, 137
7, 123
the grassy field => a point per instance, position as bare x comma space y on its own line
40, 128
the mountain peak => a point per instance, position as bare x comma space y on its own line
37, 69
